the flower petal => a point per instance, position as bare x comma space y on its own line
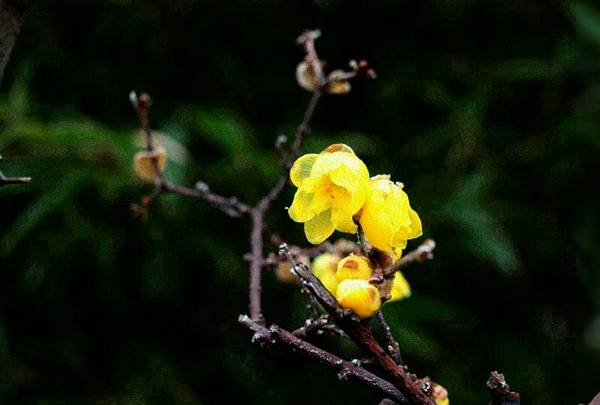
342, 220
302, 168
300, 210
319, 228
416, 228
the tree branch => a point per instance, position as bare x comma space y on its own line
11, 18
392, 345
274, 336
501, 393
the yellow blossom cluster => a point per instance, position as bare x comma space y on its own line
348, 280
335, 193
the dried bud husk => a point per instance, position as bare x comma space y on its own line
283, 271
305, 76
144, 165
336, 86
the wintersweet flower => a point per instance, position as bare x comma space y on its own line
387, 219
359, 296
400, 288
324, 267
332, 188
353, 267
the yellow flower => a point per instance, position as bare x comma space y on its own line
359, 296
332, 187
387, 219
324, 267
400, 288
353, 267
142, 163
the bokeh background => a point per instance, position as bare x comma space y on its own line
487, 111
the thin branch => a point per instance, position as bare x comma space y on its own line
11, 18
274, 336
420, 255
312, 302
304, 128
360, 240
230, 206
5, 181
391, 344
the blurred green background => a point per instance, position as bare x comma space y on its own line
487, 111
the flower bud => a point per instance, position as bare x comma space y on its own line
324, 267
353, 267
359, 296
439, 395
144, 166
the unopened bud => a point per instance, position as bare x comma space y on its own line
359, 296
324, 267
439, 395
353, 267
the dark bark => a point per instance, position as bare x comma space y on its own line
11, 17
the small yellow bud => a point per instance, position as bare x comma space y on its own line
336, 84
439, 395
143, 165
353, 267
305, 76
400, 288
324, 267
359, 296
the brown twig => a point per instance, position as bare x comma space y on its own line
5, 181
421, 254
501, 393
11, 18
274, 336
391, 343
